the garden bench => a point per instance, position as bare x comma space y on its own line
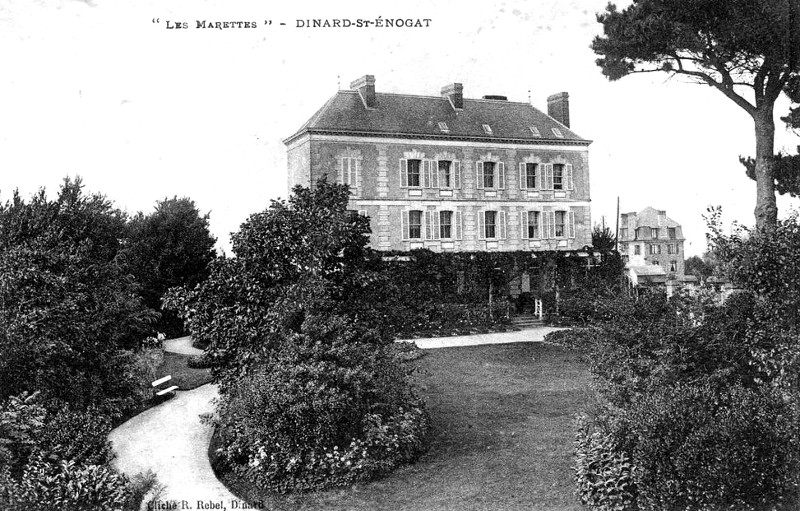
167, 390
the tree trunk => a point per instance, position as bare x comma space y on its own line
766, 208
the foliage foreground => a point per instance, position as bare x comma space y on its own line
74, 355
701, 399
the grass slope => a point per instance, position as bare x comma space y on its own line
185, 377
501, 439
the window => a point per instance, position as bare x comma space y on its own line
671, 232
673, 266
488, 174
654, 232
535, 131
349, 175
445, 174
530, 175
637, 250
559, 230
533, 224
654, 249
623, 234
490, 224
670, 249
558, 176
414, 172
487, 129
443, 127
557, 133
415, 224
446, 224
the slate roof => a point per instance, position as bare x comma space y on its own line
648, 217
403, 115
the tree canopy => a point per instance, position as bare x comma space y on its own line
749, 50
172, 246
68, 306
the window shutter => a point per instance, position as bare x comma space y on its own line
427, 220
340, 173
358, 175
457, 224
456, 174
549, 178
502, 221
553, 224
539, 170
523, 182
435, 173
569, 185
437, 225
523, 220
481, 225
404, 224
501, 175
404, 176
425, 177
539, 233
479, 174
571, 224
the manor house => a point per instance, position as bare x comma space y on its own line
450, 173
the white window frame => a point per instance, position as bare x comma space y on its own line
498, 175
500, 225
523, 176
455, 174
525, 224
405, 223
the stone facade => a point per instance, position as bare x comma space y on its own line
454, 193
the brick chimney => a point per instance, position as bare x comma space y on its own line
366, 89
662, 217
455, 93
558, 107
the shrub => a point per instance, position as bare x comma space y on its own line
331, 407
199, 362
67, 486
604, 475
81, 437
696, 448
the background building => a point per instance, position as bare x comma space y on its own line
652, 245
449, 173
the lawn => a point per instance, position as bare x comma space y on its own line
501, 439
185, 377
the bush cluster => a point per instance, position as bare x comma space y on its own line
59, 460
72, 356
330, 408
701, 405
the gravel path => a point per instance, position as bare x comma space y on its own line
170, 440
529, 335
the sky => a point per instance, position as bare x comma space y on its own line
104, 90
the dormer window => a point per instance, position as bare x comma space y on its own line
535, 131
557, 133
443, 127
487, 129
